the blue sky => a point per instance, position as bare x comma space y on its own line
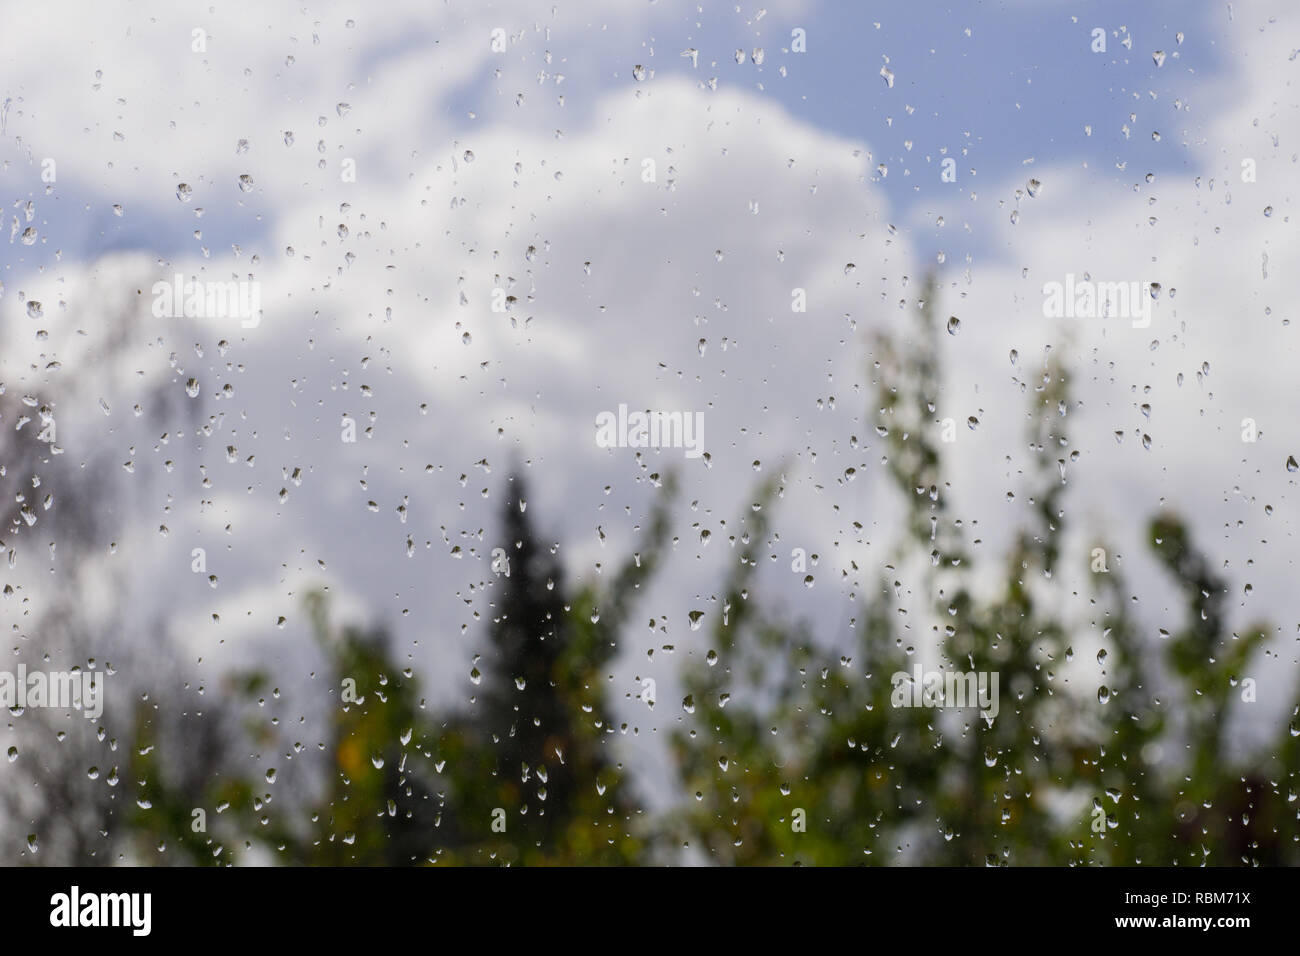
1002, 88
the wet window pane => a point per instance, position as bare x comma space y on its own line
532, 434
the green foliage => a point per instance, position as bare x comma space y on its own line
792, 750
534, 753
524, 775
796, 754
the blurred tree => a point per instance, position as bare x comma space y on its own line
71, 793
526, 775
379, 807
531, 770
797, 754
1206, 807
190, 804
790, 750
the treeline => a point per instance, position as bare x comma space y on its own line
789, 751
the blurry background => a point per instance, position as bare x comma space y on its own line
646, 192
